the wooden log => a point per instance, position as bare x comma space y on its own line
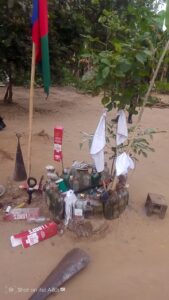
71, 264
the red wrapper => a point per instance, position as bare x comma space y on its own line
22, 214
33, 236
58, 135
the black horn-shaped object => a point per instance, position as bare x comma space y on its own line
19, 171
73, 262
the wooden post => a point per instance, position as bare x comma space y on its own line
62, 166
31, 108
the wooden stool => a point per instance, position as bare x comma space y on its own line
156, 204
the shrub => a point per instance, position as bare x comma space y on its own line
162, 87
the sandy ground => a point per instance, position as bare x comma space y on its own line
131, 260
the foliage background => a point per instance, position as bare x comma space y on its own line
97, 45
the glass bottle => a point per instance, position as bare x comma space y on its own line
76, 184
95, 178
66, 178
86, 180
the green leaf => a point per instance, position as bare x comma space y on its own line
99, 81
88, 76
96, 2
105, 72
148, 52
119, 73
109, 106
141, 57
104, 53
117, 46
106, 100
105, 61
125, 66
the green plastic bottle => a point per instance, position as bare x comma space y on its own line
95, 178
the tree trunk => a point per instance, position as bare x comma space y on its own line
164, 73
9, 94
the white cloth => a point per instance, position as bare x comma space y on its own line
70, 201
164, 28
123, 164
122, 130
98, 144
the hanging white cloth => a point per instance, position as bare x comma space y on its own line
98, 144
123, 164
70, 201
164, 28
122, 130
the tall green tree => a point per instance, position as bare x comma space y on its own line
123, 61
15, 46
120, 36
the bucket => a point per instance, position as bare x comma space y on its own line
61, 185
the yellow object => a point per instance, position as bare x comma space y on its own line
20, 205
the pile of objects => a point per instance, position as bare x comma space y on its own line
77, 199
80, 193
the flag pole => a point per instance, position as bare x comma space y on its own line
31, 108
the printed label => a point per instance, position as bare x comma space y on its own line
32, 239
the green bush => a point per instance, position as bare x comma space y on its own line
70, 79
162, 87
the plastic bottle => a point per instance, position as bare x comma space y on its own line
79, 204
66, 178
71, 181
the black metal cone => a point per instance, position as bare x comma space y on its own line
19, 171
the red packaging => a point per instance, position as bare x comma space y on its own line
33, 236
58, 135
22, 214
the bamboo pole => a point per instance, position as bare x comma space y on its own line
31, 108
114, 182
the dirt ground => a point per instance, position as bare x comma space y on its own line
131, 260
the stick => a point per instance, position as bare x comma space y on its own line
113, 184
147, 95
31, 108
62, 166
